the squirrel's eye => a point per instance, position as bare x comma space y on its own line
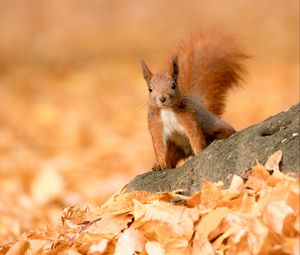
173, 86
150, 89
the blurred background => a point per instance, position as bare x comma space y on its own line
73, 102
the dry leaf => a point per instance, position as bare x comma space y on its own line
211, 221
99, 247
130, 242
180, 218
258, 177
236, 185
155, 230
111, 225
275, 214
210, 195
19, 248
201, 246
123, 203
291, 246
181, 162
273, 161
296, 225
48, 185
247, 232
218, 242
195, 200
154, 248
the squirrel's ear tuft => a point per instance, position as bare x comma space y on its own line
174, 68
146, 72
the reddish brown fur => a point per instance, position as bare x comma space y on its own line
174, 154
209, 65
203, 68
155, 128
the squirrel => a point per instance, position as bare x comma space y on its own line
187, 100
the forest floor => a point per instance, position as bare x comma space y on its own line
260, 216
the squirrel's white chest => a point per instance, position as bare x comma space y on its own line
173, 130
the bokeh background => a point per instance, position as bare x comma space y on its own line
73, 102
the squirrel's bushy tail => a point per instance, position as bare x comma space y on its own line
209, 65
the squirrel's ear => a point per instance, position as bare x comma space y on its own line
146, 72
174, 68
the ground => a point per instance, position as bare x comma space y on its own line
73, 102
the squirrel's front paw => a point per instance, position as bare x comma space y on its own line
157, 167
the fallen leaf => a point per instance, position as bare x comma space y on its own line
291, 246
180, 218
202, 246
123, 203
273, 161
195, 200
19, 248
130, 242
154, 248
247, 232
296, 225
236, 185
47, 185
218, 242
210, 195
110, 225
257, 178
275, 214
99, 247
211, 221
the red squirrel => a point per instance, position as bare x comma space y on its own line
187, 100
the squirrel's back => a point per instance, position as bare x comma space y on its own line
209, 65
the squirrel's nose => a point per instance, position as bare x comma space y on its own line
162, 99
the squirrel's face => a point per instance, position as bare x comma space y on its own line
163, 88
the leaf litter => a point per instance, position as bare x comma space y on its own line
260, 216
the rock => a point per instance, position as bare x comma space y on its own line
235, 155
